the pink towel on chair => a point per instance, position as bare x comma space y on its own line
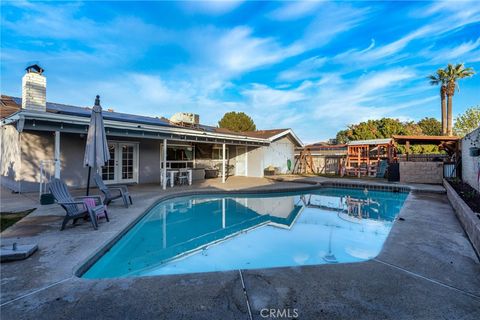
90, 203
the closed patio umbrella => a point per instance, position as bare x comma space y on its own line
96, 150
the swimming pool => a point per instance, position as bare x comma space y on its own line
248, 231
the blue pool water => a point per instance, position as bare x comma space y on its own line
229, 232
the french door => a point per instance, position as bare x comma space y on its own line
123, 164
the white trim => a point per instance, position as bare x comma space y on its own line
284, 133
57, 154
223, 162
136, 126
164, 169
246, 161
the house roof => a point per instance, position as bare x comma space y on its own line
369, 142
265, 134
65, 109
317, 146
274, 134
12, 105
8, 106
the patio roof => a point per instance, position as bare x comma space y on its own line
424, 139
73, 119
369, 142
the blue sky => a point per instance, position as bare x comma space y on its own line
313, 66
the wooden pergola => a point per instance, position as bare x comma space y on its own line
448, 143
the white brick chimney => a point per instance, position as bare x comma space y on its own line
34, 89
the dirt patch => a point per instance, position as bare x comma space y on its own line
467, 193
8, 219
33, 226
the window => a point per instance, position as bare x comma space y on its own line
217, 153
179, 153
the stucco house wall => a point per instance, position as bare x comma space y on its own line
21, 154
10, 157
278, 153
471, 165
34, 147
255, 162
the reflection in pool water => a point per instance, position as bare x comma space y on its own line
228, 232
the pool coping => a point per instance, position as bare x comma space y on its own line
427, 268
83, 267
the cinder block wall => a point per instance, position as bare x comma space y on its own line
421, 172
470, 165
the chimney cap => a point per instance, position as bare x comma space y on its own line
34, 68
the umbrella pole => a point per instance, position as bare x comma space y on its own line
88, 180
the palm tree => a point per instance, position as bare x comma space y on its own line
454, 73
440, 78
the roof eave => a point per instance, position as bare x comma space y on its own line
284, 133
39, 115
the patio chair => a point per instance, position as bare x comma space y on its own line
351, 171
363, 169
75, 207
167, 177
382, 169
113, 192
182, 177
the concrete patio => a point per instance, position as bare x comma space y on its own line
426, 270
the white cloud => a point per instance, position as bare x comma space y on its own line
294, 10
213, 7
446, 17
331, 20
468, 51
265, 97
235, 51
306, 69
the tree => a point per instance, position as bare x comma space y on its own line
377, 129
467, 121
342, 136
387, 127
440, 78
454, 73
431, 127
237, 121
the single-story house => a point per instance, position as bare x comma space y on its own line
41, 138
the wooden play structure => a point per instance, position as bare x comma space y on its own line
364, 156
304, 163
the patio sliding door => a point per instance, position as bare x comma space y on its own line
123, 164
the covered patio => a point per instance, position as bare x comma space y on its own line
142, 150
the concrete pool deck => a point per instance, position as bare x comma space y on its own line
426, 270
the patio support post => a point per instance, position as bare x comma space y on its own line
407, 148
57, 154
164, 169
223, 163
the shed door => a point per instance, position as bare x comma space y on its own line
241, 161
